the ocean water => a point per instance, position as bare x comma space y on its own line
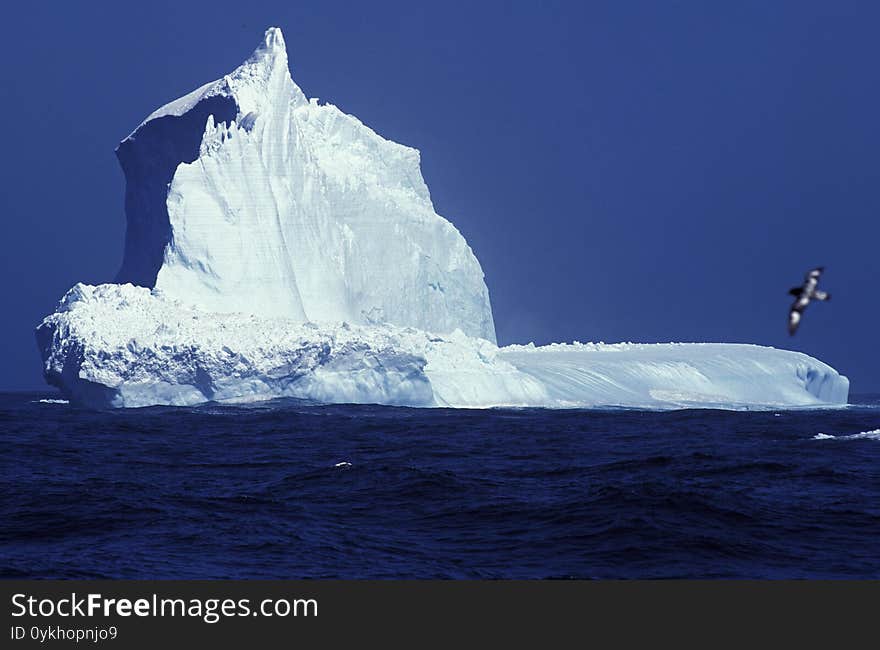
293, 490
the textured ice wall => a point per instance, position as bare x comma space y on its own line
246, 196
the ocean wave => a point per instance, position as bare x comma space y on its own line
52, 401
869, 435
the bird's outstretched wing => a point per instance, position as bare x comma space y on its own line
803, 295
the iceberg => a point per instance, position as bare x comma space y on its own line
277, 247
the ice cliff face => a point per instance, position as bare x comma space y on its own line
244, 196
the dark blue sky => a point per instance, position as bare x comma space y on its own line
645, 171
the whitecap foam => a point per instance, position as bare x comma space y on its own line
52, 401
868, 435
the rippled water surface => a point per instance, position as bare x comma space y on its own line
288, 490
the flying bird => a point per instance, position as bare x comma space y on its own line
803, 295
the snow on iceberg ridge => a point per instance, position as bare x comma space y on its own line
124, 346
246, 196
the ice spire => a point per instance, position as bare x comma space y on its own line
243, 196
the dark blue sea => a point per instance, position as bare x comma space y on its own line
292, 490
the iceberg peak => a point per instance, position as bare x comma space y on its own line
273, 40
268, 61
243, 196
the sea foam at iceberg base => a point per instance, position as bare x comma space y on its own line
278, 247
